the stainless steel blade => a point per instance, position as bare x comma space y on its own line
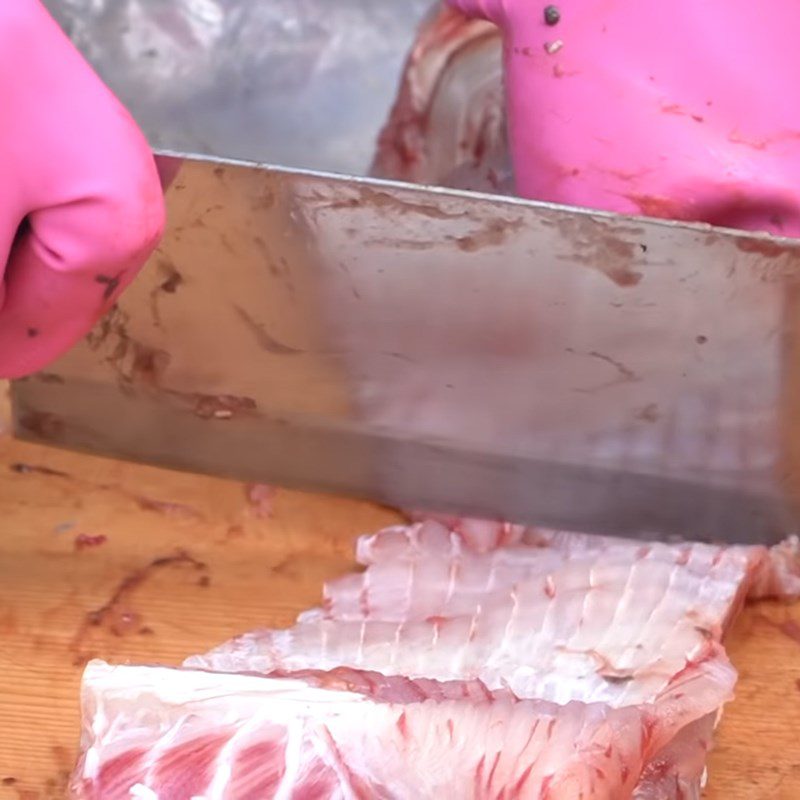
451, 351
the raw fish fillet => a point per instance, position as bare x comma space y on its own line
428, 570
614, 625
772, 572
559, 666
170, 734
477, 534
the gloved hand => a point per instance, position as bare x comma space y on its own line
81, 205
679, 109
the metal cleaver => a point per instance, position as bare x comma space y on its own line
434, 349
449, 351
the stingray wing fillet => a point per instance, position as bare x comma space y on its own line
425, 571
533, 653
458, 650
405, 564
164, 734
599, 626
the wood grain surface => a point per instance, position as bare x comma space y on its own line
124, 562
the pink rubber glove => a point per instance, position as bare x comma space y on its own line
684, 109
77, 169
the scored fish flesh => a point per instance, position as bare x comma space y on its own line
612, 625
772, 572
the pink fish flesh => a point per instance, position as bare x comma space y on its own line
171, 734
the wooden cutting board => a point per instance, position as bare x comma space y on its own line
101, 558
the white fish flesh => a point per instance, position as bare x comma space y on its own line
612, 625
773, 572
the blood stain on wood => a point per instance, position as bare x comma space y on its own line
115, 615
165, 506
791, 629
62, 757
86, 541
283, 567
260, 497
30, 469
142, 501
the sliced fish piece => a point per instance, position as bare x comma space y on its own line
612, 625
425, 570
163, 734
